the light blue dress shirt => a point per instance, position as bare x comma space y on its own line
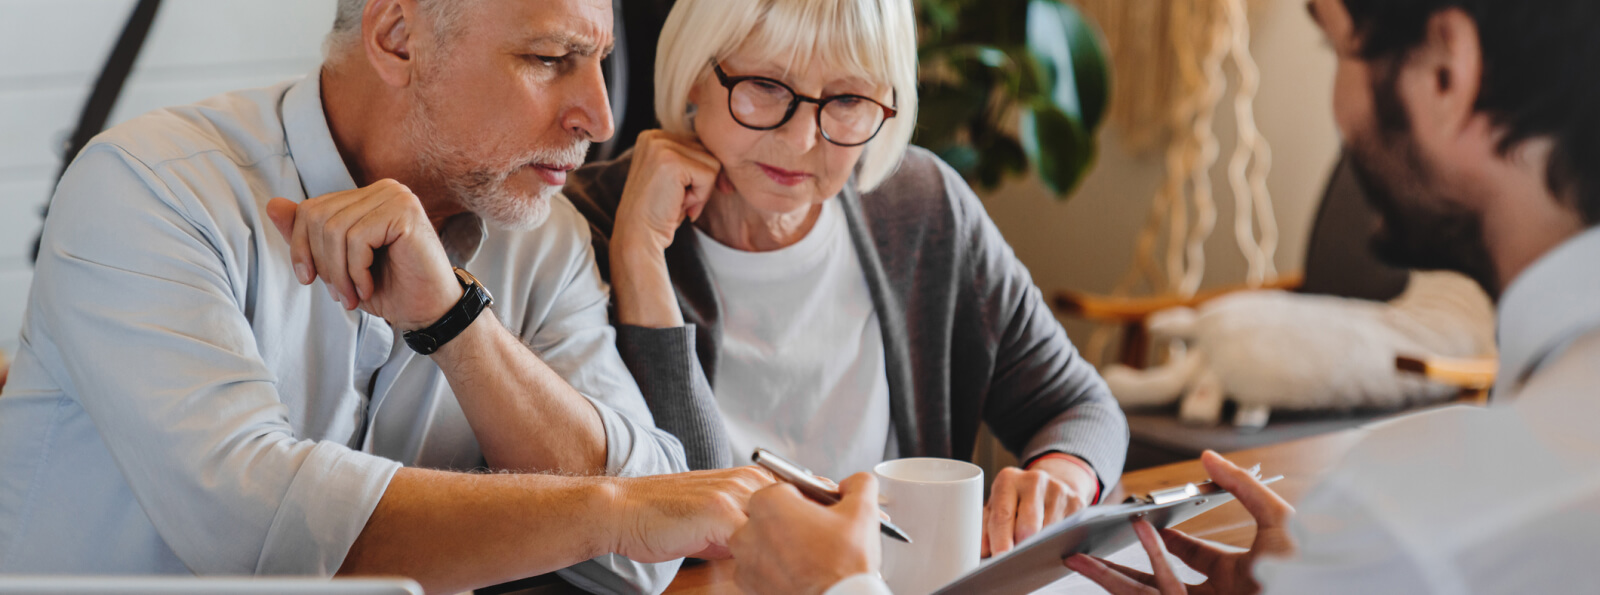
1497, 500
180, 403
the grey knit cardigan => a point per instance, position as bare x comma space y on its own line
966, 335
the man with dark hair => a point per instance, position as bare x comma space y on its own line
1472, 125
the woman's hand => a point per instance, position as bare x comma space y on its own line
670, 179
1024, 501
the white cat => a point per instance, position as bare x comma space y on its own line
1277, 350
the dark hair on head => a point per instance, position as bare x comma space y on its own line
1541, 75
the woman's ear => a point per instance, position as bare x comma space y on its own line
386, 39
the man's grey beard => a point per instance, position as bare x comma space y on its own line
479, 184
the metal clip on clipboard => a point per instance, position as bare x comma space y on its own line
1097, 530
1190, 490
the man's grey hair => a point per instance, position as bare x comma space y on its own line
444, 14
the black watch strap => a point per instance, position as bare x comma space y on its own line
428, 340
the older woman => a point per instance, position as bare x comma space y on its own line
847, 297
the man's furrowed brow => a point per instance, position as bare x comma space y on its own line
574, 44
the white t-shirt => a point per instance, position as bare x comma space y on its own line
801, 369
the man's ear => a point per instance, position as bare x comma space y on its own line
386, 38
1447, 73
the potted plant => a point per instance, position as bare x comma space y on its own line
1009, 86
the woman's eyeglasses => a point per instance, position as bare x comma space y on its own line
761, 103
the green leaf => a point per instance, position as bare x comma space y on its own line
1002, 156
1070, 60
995, 58
1057, 145
963, 158
984, 54
945, 109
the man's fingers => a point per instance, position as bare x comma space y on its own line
281, 212
1139, 576
1198, 554
1269, 509
1111, 580
1166, 579
860, 495
326, 253
361, 245
340, 233
305, 268
774, 496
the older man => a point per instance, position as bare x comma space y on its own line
1473, 125
254, 346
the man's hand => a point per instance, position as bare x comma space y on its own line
1226, 571
1023, 502
794, 545
374, 248
665, 517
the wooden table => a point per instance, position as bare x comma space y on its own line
1302, 463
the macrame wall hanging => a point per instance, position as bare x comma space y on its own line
1170, 59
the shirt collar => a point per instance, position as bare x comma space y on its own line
1546, 307
305, 128
462, 235
322, 170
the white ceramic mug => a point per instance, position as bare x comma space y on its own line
939, 503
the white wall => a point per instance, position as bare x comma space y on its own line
1087, 243
52, 50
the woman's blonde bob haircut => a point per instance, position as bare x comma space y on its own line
873, 39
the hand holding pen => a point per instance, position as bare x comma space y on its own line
793, 544
812, 487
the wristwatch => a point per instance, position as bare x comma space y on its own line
428, 340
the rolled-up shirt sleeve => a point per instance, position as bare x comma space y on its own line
576, 340
146, 328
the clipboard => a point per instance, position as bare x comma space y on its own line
1097, 530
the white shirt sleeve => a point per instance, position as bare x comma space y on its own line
140, 320
866, 583
575, 338
1344, 548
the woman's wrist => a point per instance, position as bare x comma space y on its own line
1071, 470
641, 286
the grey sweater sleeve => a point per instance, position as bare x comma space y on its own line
1043, 395
676, 389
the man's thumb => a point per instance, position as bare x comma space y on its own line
282, 212
860, 492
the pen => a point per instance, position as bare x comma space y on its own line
813, 488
